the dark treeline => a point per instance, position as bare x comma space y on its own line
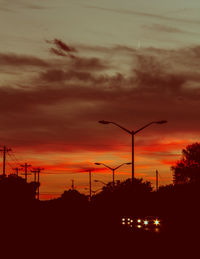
74, 221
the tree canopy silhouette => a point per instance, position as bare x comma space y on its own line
123, 196
14, 189
138, 185
74, 197
187, 170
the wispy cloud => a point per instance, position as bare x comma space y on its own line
14, 6
144, 14
164, 28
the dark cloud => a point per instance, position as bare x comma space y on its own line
56, 75
11, 59
74, 77
61, 49
61, 45
76, 62
61, 108
58, 52
88, 64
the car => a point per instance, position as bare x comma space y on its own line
142, 222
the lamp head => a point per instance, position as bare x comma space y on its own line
161, 122
97, 163
104, 122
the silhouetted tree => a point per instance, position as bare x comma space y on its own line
123, 197
15, 190
187, 170
166, 188
138, 185
73, 196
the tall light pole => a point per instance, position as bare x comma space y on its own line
132, 133
156, 180
90, 184
112, 169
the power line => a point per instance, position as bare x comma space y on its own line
15, 158
15, 163
10, 165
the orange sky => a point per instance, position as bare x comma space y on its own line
65, 65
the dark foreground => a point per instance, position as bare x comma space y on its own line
73, 227
40, 234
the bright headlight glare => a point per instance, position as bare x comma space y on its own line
156, 222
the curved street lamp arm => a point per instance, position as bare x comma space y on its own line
119, 166
107, 166
147, 125
130, 132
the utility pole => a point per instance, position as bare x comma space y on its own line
156, 180
17, 170
34, 173
26, 166
5, 150
37, 172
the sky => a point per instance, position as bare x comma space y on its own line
65, 65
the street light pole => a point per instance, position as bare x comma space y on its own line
90, 184
113, 176
113, 169
156, 180
133, 154
132, 133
